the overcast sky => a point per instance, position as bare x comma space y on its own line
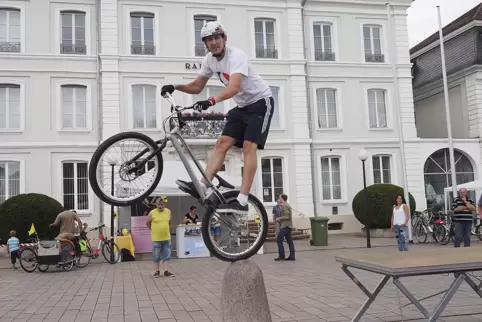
423, 20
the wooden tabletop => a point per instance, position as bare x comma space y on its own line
417, 262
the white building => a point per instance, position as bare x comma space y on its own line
328, 63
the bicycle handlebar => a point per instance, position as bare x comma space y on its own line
175, 109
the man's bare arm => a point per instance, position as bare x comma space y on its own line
194, 87
149, 221
232, 89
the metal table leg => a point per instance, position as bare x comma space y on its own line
477, 288
443, 303
371, 296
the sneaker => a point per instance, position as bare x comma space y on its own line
168, 274
234, 207
157, 274
279, 259
290, 259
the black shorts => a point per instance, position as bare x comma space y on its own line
250, 123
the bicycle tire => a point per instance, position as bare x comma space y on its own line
70, 261
478, 232
27, 249
96, 158
89, 250
106, 252
420, 227
445, 239
43, 270
206, 224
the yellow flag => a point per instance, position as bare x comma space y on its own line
32, 230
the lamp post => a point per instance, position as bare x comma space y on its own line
363, 156
112, 257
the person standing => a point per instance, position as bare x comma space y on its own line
159, 222
399, 222
277, 213
463, 217
286, 226
13, 245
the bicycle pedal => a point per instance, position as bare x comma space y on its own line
184, 187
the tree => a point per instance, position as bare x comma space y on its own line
20, 212
381, 199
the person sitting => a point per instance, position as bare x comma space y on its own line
66, 222
191, 217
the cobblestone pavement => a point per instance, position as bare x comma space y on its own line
311, 289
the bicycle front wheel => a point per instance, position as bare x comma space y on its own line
106, 251
421, 233
441, 234
237, 237
113, 171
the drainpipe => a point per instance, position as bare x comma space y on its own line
99, 94
308, 101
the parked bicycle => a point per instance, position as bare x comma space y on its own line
146, 167
422, 225
104, 246
42, 254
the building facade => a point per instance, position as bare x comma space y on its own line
95, 68
463, 55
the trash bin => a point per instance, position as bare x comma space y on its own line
319, 231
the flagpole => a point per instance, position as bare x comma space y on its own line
399, 118
447, 107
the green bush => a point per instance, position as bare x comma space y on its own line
381, 199
19, 212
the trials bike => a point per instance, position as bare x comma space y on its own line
145, 169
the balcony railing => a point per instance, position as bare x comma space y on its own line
266, 52
10, 47
321, 55
143, 49
374, 58
201, 127
73, 49
200, 50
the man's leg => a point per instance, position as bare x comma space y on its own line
166, 256
467, 232
216, 161
291, 245
257, 118
279, 241
156, 257
458, 233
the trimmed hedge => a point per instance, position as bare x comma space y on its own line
19, 212
381, 199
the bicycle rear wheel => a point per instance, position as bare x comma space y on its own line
106, 251
28, 259
240, 234
441, 234
130, 184
420, 232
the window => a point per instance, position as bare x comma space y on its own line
142, 34
272, 178
75, 185
275, 119
74, 107
199, 22
10, 30
9, 179
373, 44
73, 33
381, 169
265, 38
326, 105
210, 91
331, 178
144, 107
322, 33
9, 106
377, 110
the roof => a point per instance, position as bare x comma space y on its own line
471, 15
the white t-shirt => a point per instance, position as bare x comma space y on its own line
253, 87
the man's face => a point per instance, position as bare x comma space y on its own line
280, 200
215, 44
193, 212
463, 193
160, 205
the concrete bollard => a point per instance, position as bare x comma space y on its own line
243, 295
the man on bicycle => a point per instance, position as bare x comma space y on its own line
247, 124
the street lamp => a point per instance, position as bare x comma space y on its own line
112, 257
363, 156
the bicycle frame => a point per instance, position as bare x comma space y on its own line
178, 141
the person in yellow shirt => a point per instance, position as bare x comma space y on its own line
159, 222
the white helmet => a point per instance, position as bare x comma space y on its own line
212, 28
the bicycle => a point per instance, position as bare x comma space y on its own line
149, 161
60, 253
103, 247
422, 226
